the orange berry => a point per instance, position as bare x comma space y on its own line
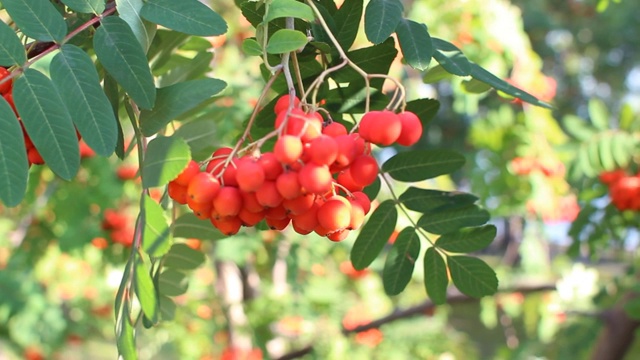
203, 187
300, 204
227, 225
282, 104
202, 210
364, 170
100, 242
323, 150
5, 87
363, 199
357, 214
347, 151
249, 218
250, 202
288, 149
411, 128
268, 195
34, 156
306, 221
339, 235
334, 129
249, 175
334, 214
288, 185
228, 201
277, 224
315, 179
177, 192
380, 127
188, 173
278, 212
345, 179
271, 166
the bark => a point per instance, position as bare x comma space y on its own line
618, 333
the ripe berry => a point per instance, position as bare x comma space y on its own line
203, 187
268, 195
323, 150
334, 129
308, 220
334, 214
288, 149
345, 179
411, 130
177, 192
315, 179
34, 156
347, 151
278, 212
249, 175
250, 202
363, 199
380, 127
249, 218
300, 204
282, 104
228, 202
339, 235
288, 185
188, 173
202, 210
5, 87
227, 225
271, 166
277, 224
364, 170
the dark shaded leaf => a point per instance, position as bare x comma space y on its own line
164, 159
436, 278
451, 58
472, 276
398, 267
11, 49
415, 43
187, 16
38, 19
422, 164
467, 239
427, 200
381, 18
13, 159
374, 235
443, 222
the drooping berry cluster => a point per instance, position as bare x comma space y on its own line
527, 165
118, 227
624, 189
313, 179
33, 155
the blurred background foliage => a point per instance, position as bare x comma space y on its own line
564, 254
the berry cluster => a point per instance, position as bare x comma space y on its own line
119, 228
527, 165
624, 189
33, 155
313, 179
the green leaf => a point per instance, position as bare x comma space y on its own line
251, 47
577, 127
422, 164
122, 56
425, 109
472, 276
400, 261
175, 100
435, 73
73, 73
167, 308
199, 134
435, 276
599, 114
415, 43
374, 59
474, 86
286, 40
288, 8
86, 6
173, 283
443, 222
468, 239
11, 49
426, 200
13, 158
182, 257
605, 150
347, 20
165, 158
381, 18
374, 235
156, 239
451, 58
485, 76
146, 292
48, 123
189, 226
129, 11
622, 149
372, 190
125, 339
187, 16
38, 19
632, 307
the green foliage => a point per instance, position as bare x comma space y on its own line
401, 261
472, 276
381, 19
188, 16
37, 19
13, 159
285, 40
11, 50
436, 278
415, 43
374, 235
422, 164
166, 158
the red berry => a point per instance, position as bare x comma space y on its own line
411, 130
203, 187
188, 173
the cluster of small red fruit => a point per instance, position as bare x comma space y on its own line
119, 228
528, 164
313, 179
33, 155
624, 189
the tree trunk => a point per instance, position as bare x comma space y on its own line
618, 333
